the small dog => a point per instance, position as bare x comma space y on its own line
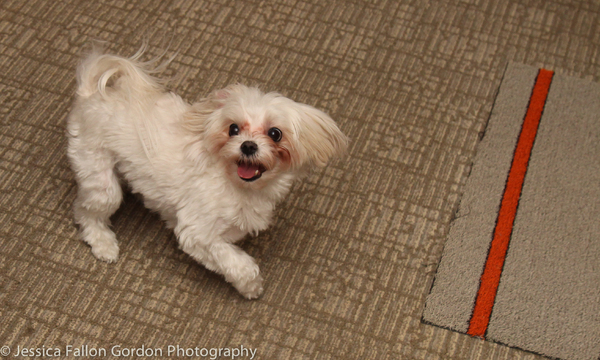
214, 170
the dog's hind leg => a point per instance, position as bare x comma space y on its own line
99, 195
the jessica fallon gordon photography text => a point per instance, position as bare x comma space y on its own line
86, 351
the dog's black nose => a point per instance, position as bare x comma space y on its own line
249, 147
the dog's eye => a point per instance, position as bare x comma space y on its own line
275, 134
234, 130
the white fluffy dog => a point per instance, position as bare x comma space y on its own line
213, 170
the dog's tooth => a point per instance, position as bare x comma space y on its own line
256, 172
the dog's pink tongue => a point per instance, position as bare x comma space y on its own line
247, 171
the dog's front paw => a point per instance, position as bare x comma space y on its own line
250, 288
106, 251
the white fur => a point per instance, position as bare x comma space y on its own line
183, 162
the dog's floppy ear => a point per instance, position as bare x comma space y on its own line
219, 96
202, 121
197, 120
318, 135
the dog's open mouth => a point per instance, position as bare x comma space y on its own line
248, 171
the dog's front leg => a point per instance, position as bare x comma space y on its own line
218, 255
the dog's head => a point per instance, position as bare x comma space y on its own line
258, 137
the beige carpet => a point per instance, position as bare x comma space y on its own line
354, 249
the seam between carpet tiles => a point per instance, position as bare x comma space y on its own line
456, 209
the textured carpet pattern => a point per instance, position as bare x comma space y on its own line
539, 233
354, 249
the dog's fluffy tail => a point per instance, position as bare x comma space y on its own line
97, 69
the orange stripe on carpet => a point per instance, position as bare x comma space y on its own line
490, 279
